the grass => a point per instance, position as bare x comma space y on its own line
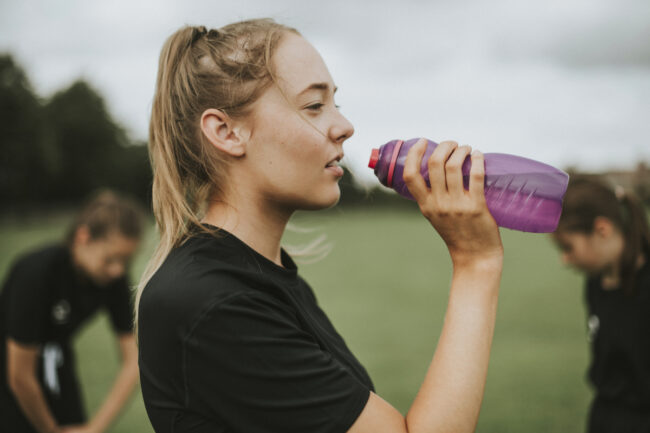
385, 288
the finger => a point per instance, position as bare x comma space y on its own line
411, 175
453, 169
477, 176
436, 167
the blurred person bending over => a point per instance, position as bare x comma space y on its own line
48, 295
604, 233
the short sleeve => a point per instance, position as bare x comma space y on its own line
248, 362
120, 307
27, 304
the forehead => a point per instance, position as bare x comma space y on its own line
116, 241
298, 64
570, 237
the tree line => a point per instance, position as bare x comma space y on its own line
59, 150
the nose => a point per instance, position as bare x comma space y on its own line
341, 129
566, 259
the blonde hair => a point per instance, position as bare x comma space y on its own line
228, 69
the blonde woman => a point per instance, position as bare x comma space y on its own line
244, 132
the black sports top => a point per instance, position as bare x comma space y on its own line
231, 342
44, 302
619, 331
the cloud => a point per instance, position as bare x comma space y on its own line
557, 80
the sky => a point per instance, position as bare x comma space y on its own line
566, 82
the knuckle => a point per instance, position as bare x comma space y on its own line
409, 175
426, 210
443, 210
476, 176
434, 161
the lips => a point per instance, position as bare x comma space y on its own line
334, 161
333, 166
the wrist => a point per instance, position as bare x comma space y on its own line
487, 261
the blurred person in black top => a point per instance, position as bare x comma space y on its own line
244, 132
48, 295
603, 232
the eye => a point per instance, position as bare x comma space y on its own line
315, 107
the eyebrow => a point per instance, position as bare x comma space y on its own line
318, 86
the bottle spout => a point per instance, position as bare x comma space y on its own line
374, 157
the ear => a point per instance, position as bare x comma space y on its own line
222, 133
82, 235
603, 227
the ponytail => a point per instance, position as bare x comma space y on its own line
227, 69
637, 239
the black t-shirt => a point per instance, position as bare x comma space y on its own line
44, 301
231, 342
619, 331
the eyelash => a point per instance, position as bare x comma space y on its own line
318, 106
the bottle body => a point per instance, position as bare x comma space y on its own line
521, 194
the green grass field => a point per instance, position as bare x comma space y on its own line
385, 287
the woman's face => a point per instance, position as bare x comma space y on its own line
105, 259
591, 253
297, 132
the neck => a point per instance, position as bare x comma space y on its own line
611, 278
75, 258
255, 222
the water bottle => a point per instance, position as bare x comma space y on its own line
521, 194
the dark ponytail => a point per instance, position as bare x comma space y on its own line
637, 238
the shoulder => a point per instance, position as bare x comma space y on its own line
199, 274
39, 264
44, 257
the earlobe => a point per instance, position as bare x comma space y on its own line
220, 131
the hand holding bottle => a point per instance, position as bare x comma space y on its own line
460, 216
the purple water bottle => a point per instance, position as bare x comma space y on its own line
521, 194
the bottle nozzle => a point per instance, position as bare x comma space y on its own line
374, 157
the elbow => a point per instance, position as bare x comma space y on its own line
18, 383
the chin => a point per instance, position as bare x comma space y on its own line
322, 203
104, 281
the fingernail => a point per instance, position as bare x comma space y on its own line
476, 152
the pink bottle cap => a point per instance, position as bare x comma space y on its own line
374, 157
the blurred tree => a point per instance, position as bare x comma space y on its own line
28, 161
89, 141
132, 172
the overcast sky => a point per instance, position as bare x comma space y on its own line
566, 82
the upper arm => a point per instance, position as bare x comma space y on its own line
378, 416
120, 307
27, 312
249, 363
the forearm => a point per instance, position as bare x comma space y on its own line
30, 397
116, 397
450, 396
